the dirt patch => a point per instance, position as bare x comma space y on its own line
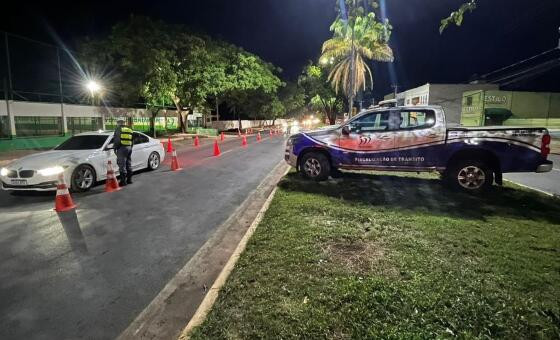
360, 257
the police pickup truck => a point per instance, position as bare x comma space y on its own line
418, 139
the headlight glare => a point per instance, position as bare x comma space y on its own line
4, 172
55, 170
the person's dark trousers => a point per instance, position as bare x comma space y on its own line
124, 154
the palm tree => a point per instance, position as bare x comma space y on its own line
350, 48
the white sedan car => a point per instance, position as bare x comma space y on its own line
83, 160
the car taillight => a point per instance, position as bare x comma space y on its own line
545, 145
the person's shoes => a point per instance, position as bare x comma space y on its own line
129, 180
122, 183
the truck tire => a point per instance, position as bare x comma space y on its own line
471, 176
315, 166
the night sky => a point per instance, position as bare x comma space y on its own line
288, 33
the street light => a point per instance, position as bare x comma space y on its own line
93, 87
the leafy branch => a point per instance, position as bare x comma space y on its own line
456, 17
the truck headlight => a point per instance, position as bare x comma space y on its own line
4, 172
55, 170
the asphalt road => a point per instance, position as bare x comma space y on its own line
89, 274
548, 182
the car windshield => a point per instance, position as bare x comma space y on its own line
88, 142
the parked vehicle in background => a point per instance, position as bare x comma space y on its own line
82, 159
416, 138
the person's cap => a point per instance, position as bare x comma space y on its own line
120, 121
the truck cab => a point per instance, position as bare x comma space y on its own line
417, 139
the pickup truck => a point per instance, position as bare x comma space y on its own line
417, 139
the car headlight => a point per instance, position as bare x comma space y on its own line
55, 170
4, 172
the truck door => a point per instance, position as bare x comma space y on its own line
419, 138
364, 139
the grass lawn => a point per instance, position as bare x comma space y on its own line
390, 256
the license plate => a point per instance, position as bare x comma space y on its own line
19, 181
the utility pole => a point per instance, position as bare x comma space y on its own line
9, 89
352, 78
395, 89
63, 116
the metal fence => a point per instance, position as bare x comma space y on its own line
38, 126
4, 127
162, 124
77, 125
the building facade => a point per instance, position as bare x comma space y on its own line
30, 125
449, 96
494, 107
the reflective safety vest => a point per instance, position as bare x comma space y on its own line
126, 136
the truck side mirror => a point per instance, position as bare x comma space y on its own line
346, 130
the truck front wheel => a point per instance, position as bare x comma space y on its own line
471, 176
315, 166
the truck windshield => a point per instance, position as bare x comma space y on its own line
89, 142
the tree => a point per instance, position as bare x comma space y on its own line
356, 39
456, 17
319, 94
138, 71
293, 98
273, 109
248, 77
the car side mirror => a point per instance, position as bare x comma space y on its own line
110, 146
346, 130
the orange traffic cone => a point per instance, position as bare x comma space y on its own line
111, 183
258, 136
222, 137
169, 145
244, 141
270, 132
196, 141
63, 201
174, 162
217, 151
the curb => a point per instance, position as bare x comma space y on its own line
175, 305
210, 298
531, 188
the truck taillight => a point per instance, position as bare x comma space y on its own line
545, 145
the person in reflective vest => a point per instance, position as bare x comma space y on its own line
123, 149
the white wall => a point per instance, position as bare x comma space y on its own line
224, 125
19, 108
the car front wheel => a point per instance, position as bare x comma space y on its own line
315, 166
83, 178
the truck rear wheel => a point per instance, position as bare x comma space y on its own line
315, 166
471, 176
